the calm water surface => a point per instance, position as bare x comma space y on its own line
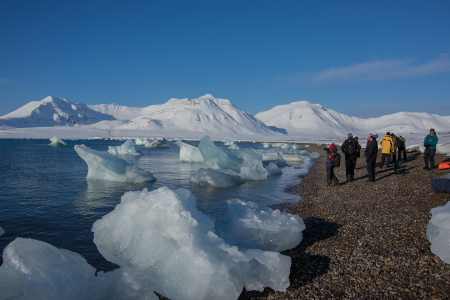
44, 194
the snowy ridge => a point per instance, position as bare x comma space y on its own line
52, 111
313, 120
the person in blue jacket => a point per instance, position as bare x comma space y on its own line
430, 143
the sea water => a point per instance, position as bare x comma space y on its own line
44, 194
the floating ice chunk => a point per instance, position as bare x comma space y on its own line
126, 148
273, 169
56, 141
285, 146
141, 141
189, 153
2, 232
307, 146
163, 235
266, 145
33, 269
250, 225
277, 145
234, 147
156, 144
292, 157
217, 178
105, 167
438, 232
228, 143
272, 155
219, 158
314, 155
297, 147
259, 173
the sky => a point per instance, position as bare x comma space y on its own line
360, 58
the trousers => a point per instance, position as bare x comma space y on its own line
371, 170
429, 156
385, 156
330, 175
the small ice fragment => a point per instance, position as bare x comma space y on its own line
216, 178
156, 144
126, 148
56, 141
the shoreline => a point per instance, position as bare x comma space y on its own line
365, 240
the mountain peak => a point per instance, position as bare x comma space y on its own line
209, 96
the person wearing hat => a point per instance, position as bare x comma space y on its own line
430, 143
350, 147
331, 156
371, 153
387, 147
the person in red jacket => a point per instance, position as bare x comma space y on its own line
331, 156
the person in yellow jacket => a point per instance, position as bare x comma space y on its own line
387, 145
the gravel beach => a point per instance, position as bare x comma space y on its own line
366, 240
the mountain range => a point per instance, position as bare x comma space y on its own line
214, 116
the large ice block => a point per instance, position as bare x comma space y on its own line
36, 270
105, 167
219, 158
438, 232
217, 178
126, 148
250, 225
189, 153
163, 235
272, 155
56, 141
273, 169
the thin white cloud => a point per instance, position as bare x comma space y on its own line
372, 71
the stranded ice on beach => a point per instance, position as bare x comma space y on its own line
105, 167
438, 232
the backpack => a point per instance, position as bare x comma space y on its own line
337, 160
401, 142
351, 148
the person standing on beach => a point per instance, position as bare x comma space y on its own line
387, 148
331, 156
350, 148
401, 147
430, 143
371, 153
394, 153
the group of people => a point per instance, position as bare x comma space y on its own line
391, 145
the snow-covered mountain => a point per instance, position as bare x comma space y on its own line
313, 120
205, 114
52, 111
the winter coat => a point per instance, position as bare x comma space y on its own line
396, 142
431, 140
331, 156
371, 151
387, 145
401, 143
344, 149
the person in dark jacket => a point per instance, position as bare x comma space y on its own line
331, 156
350, 148
358, 150
430, 143
395, 141
401, 147
371, 153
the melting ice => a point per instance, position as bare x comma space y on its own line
126, 148
438, 232
164, 236
105, 167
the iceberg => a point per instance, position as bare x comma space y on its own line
273, 169
141, 141
219, 158
228, 143
56, 141
314, 155
36, 270
164, 236
298, 147
250, 225
266, 145
217, 178
105, 167
272, 155
234, 147
156, 144
126, 148
2, 232
438, 232
189, 153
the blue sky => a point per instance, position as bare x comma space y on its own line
360, 58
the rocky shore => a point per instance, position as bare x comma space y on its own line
366, 240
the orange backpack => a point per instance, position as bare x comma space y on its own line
444, 165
